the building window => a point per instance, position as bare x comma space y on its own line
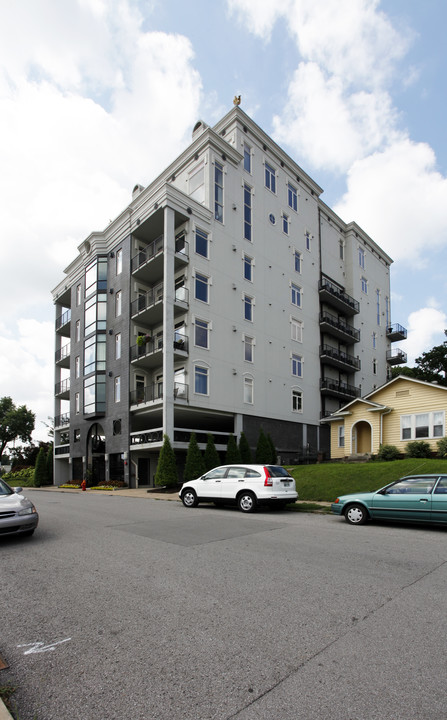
285, 223
249, 345
78, 331
298, 260
387, 311
201, 243
297, 365
341, 436
361, 258
201, 333
117, 392
308, 241
364, 282
341, 247
201, 380
270, 178
374, 366
116, 427
95, 354
218, 191
422, 425
297, 401
117, 346
201, 287
119, 261
247, 158
292, 197
118, 304
78, 295
247, 212
77, 366
296, 295
374, 340
296, 330
248, 308
378, 306
196, 183
248, 268
248, 390
77, 403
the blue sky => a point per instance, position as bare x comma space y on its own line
354, 90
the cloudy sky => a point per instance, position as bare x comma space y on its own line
97, 95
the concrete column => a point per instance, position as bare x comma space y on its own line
168, 322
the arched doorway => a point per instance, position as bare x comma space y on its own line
361, 438
96, 449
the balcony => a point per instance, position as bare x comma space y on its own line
333, 295
396, 332
63, 323
148, 308
333, 325
147, 264
62, 357
62, 450
62, 420
339, 359
147, 437
338, 389
62, 389
396, 356
154, 393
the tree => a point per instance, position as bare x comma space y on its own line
211, 456
15, 422
263, 449
40, 470
49, 461
244, 449
195, 464
232, 455
431, 366
274, 454
166, 473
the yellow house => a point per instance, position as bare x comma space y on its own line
400, 411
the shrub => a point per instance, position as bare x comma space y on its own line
418, 449
388, 452
49, 460
263, 449
442, 447
22, 477
273, 453
211, 456
195, 464
244, 450
232, 455
40, 470
166, 473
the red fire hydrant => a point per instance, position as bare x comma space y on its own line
83, 485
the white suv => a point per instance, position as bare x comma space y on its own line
246, 486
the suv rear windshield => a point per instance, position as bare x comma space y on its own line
277, 471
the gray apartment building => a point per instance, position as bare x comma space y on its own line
226, 297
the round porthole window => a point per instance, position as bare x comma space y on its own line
272, 218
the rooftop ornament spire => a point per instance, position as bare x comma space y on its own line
237, 100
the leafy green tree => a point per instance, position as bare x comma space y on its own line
49, 460
195, 464
244, 449
166, 473
40, 469
263, 449
232, 455
431, 366
273, 453
211, 456
15, 422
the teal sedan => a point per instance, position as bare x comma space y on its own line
420, 498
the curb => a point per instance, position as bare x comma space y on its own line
4, 712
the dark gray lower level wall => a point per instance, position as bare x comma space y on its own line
294, 442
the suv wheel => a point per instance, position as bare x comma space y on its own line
189, 498
246, 502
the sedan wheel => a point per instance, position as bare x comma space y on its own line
356, 515
189, 498
246, 502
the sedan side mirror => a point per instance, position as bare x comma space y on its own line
18, 489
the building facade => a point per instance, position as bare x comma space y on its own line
226, 297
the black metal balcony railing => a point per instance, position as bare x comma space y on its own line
396, 356
336, 296
62, 387
154, 393
62, 450
154, 296
338, 388
61, 420
63, 353
340, 326
144, 438
155, 248
63, 319
152, 346
396, 332
339, 356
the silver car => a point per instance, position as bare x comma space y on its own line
18, 516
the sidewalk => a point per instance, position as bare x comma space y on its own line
121, 492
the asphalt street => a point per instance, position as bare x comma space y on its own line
122, 608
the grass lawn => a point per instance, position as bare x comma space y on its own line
323, 482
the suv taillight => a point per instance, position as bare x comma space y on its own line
268, 482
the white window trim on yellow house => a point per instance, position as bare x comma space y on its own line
375, 420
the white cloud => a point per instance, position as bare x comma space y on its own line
425, 330
399, 198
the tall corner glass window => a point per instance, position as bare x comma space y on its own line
218, 192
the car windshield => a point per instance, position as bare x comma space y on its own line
277, 471
5, 489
